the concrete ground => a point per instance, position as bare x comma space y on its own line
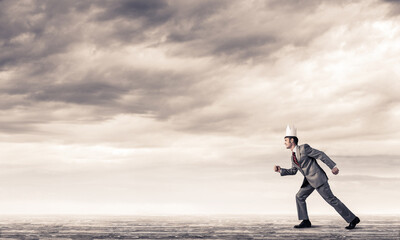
194, 227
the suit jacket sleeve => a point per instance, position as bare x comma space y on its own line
290, 171
314, 153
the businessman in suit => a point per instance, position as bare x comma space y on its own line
304, 160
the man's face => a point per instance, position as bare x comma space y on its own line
288, 143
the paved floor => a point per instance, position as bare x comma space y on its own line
195, 227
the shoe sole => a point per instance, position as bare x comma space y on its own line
302, 227
358, 221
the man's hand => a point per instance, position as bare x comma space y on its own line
277, 168
335, 170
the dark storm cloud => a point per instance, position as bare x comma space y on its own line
235, 34
34, 31
150, 21
206, 28
394, 7
246, 46
154, 12
392, 1
34, 45
157, 93
38, 48
91, 93
52, 26
208, 41
165, 93
194, 28
128, 22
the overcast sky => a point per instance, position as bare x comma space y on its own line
180, 107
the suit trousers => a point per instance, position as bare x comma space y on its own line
325, 191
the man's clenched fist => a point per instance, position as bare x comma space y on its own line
277, 168
335, 170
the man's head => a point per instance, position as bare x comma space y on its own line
291, 142
291, 139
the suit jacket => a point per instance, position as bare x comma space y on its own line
313, 173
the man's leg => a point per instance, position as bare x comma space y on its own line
325, 191
301, 197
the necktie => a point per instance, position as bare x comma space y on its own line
295, 159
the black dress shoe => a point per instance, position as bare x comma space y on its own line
353, 223
304, 224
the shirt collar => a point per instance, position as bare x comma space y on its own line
295, 149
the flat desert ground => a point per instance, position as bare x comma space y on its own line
194, 227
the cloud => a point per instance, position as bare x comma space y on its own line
154, 12
80, 93
45, 30
180, 61
159, 93
394, 7
43, 62
23, 127
242, 32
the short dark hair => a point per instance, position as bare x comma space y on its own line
295, 139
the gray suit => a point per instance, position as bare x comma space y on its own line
314, 178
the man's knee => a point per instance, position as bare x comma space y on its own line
300, 197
